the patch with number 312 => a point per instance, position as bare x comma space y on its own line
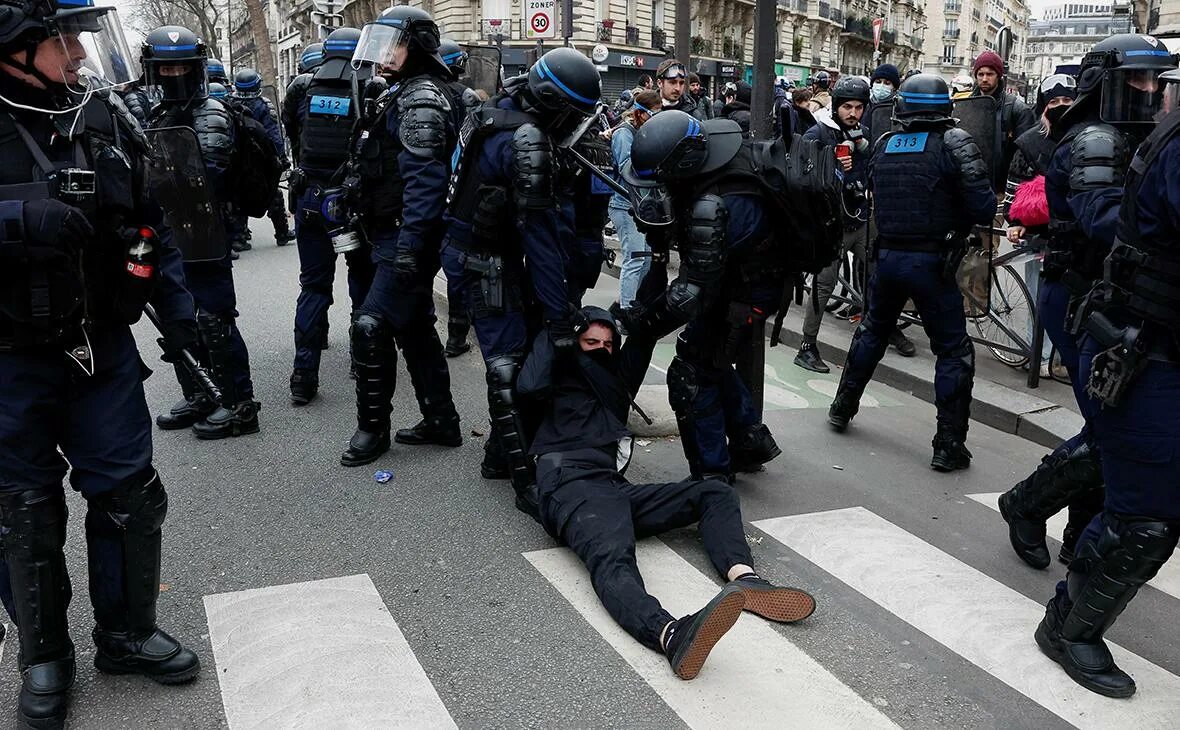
900, 144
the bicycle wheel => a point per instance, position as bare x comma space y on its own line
1011, 306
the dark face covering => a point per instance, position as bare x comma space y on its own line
601, 357
1054, 114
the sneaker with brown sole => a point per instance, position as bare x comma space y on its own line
690, 639
775, 603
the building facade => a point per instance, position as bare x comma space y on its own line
1163, 19
959, 30
1069, 31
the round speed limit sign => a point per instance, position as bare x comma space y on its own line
540, 22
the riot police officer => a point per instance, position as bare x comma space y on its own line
1083, 184
931, 186
1129, 359
403, 172
215, 71
321, 127
310, 59
175, 67
510, 203
79, 262
732, 269
248, 97
458, 322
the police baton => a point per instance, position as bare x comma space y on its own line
596, 170
194, 367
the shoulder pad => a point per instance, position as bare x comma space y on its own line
423, 125
420, 91
1098, 156
966, 155
534, 164
128, 124
299, 83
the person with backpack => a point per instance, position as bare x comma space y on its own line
845, 135
584, 448
510, 219
320, 116
400, 190
635, 252
174, 66
731, 279
248, 98
931, 186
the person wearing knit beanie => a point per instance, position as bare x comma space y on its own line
988, 69
886, 72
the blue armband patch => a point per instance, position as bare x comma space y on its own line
900, 144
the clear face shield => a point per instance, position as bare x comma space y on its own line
92, 52
384, 45
1131, 96
1171, 97
651, 204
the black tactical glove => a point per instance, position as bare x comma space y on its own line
54, 223
179, 335
405, 264
561, 332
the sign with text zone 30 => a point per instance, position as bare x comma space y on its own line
540, 18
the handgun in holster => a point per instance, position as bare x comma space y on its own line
491, 278
1123, 356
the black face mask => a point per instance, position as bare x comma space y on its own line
1055, 114
601, 357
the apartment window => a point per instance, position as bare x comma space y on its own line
603, 7
948, 52
657, 13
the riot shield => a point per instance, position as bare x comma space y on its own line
880, 121
177, 179
977, 116
483, 69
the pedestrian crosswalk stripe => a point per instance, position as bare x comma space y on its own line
754, 678
1168, 579
973, 615
321, 654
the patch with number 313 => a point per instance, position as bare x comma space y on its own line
900, 144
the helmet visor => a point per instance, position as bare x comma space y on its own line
176, 80
1131, 96
383, 44
94, 51
1171, 99
651, 204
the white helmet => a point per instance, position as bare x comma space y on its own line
962, 82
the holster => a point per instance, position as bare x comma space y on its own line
952, 258
1123, 357
491, 281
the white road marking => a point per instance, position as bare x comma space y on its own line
754, 678
973, 615
320, 654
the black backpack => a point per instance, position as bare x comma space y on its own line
254, 169
803, 183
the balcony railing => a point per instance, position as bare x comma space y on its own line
859, 26
605, 30
916, 41
496, 30
952, 7
731, 48
800, 6
632, 35
837, 15
659, 39
956, 61
825, 10
889, 36
948, 33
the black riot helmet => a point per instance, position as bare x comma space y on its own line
247, 84
77, 24
822, 80
923, 98
850, 88
563, 88
173, 59
453, 56
215, 71
1122, 74
312, 57
674, 146
340, 43
401, 42
217, 90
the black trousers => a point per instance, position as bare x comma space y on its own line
594, 510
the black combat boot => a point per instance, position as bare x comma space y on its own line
457, 328
305, 384
1067, 475
495, 461
374, 357
808, 358
753, 448
844, 407
240, 420
435, 430
283, 237
950, 454
193, 407
123, 549
1103, 578
33, 525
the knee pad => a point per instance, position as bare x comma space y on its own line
138, 505
502, 370
34, 520
371, 337
1083, 465
683, 384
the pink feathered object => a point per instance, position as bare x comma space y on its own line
1030, 207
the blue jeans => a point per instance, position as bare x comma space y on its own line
634, 267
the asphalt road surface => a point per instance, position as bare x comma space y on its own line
318, 597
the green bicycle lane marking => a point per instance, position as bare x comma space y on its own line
788, 386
